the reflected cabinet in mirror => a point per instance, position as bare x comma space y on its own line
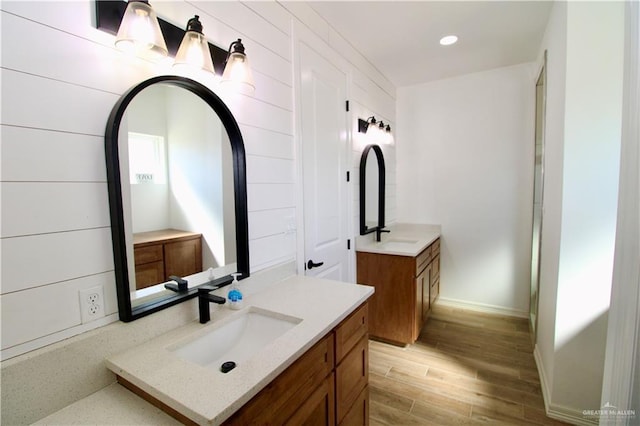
372, 182
177, 193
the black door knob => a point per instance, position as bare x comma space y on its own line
311, 265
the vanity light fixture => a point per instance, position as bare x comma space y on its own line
139, 32
237, 70
375, 131
194, 49
111, 15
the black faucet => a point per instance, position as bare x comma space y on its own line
380, 231
204, 298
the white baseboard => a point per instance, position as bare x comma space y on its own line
556, 411
481, 307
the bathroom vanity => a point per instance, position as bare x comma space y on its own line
311, 363
404, 268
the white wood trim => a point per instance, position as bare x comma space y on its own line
482, 307
621, 359
552, 410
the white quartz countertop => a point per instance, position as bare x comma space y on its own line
405, 239
113, 405
208, 396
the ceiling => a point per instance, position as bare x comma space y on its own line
401, 38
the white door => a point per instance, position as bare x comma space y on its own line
324, 158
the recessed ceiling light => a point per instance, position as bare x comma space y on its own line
448, 40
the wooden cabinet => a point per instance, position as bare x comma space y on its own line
406, 287
160, 254
325, 386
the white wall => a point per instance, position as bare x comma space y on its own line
55, 104
593, 111
466, 148
582, 141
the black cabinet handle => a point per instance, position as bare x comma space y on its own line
311, 265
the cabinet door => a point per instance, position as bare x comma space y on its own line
417, 313
435, 279
183, 258
318, 409
426, 301
358, 415
352, 376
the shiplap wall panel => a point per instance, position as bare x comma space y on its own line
38, 260
267, 143
266, 223
365, 92
30, 208
272, 91
67, 57
67, 16
361, 64
265, 196
32, 155
273, 12
269, 170
32, 101
256, 113
272, 250
305, 14
52, 317
241, 18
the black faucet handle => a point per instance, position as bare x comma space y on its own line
180, 286
203, 289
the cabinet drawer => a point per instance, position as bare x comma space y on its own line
435, 247
422, 260
149, 274
351, 330
147, 254
358, 415
281, 398
435, 290
352, 375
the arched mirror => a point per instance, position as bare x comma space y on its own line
372, 182
176, 174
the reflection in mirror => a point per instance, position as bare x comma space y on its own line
372, 190
181, 188
177, 193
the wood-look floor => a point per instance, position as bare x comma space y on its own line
466, 368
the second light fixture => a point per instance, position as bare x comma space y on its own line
194, 48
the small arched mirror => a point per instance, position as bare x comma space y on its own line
372, 182
177, 193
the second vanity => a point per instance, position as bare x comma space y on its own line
317, 365
404, 268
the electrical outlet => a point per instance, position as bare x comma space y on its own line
91, 304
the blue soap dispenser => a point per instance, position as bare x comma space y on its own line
234, 297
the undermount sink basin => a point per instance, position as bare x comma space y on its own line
236, 338
401, 240
398, 244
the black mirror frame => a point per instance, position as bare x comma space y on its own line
364, 230
114, 184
